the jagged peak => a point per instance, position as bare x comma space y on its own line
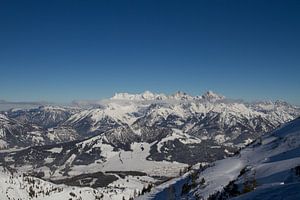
210, 95
179, 95
147, 95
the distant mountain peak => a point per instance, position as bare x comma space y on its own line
179, 95
147, 95
210, 95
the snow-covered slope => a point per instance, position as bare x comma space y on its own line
19, 186
265, 169
269, 168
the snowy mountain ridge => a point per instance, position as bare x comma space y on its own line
128, 118
181, 96
132, 142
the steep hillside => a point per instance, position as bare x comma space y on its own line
269, 168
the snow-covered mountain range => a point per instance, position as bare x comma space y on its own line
132, 139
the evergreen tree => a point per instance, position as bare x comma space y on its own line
202, 182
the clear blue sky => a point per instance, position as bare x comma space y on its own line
63, 50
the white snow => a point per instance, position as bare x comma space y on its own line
228, 169
55, 150
178, 134
136, 160
3, 144
270, 160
